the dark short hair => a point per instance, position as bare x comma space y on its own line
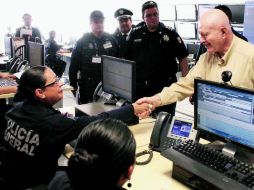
104, 151
30, 80
148, 5
226, 10
26, 14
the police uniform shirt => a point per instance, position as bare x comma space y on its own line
121, 40
155, 53
84, 56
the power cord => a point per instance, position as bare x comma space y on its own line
149, 152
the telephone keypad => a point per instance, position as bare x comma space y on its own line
169, 142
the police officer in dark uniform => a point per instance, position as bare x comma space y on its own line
86, 57
125, 27
155, 49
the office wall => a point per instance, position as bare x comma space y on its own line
71, 18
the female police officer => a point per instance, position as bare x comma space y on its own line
37, 133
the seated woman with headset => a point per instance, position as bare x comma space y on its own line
36, 133
104, 158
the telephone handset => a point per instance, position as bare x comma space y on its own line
162, 122
169, 131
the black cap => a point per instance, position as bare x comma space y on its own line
148, 5
96, 15
123, 13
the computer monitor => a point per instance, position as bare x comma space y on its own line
237, 13
9, 46
248, 20
205, 7
186, 12
119, 77
36, 54
187, 30
225, 112
167, 12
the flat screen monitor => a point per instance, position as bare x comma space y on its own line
204, 7
35, 54
167, 12
186, 12
225, 112
118, 77
9, 46
248, 20
187, 30
237, 13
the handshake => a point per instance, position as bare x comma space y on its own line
144, 106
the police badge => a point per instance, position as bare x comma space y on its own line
166, 38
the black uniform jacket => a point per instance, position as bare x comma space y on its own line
86, 48
35, 138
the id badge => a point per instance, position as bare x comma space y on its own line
96, 59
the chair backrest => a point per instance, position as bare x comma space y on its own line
56, 64
21, 52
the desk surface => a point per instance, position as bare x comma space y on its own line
157, 174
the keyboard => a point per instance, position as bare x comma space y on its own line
7, 82
211, 165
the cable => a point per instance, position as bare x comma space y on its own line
149, 152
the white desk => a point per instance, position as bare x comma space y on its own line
157, 174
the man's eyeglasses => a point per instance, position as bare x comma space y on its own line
53, 83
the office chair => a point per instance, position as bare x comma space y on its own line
21, 52
56, 64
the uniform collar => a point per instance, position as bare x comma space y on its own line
128, 33
159, 29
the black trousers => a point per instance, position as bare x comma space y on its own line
86, 89
152, 87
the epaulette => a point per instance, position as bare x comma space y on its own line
168, 28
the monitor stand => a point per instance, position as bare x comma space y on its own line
233, 150
120, 102
115, 102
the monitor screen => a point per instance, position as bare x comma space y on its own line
237, 13
204, 7
35, 54
186, 12
167, 12
248, 20
226, 112
9, 46
118, 77
187, 30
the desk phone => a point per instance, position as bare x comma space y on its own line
169, 131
